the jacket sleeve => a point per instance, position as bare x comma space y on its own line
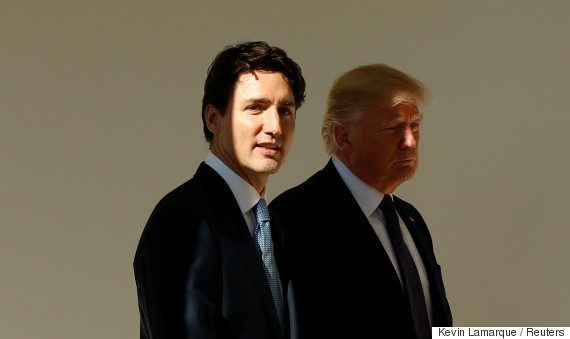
178, 278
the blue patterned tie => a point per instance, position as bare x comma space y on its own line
262, 236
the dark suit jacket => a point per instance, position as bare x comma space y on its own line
345, 284
197, 271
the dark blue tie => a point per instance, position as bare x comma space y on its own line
262, 236
408, 270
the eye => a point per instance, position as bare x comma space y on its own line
415, 126
285, 111
254, 108
390, 128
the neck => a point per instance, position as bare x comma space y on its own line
257, 180
381, 184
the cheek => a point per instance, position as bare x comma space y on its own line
245, 127
378, 152
227, 130
288, 129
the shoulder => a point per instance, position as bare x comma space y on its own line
175, 204
192, 199
408, 212
404, 206
176, 228
179, 214
309, 190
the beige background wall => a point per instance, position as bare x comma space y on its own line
99, 118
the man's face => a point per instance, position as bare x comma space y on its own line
256, 131
383, 148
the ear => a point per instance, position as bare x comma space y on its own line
341, 138
212, 116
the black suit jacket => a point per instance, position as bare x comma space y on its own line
197, 271
345, 284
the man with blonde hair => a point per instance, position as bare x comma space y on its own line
362, 262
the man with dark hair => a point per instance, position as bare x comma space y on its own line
361, 260
210, 262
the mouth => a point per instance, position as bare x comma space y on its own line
406, 161
269, 145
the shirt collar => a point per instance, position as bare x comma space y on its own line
245, 195
367, 197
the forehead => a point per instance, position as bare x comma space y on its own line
262, 86
406, 109
401, 111
259, 79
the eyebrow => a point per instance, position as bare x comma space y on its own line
414, 120
393, 122
286, 102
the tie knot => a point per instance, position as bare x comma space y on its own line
387, 204
261, 211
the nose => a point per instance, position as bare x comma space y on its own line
272, 123
409, 139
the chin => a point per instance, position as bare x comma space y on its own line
267, 166
406, 172
409, 175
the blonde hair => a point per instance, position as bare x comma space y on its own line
355, 90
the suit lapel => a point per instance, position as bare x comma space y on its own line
352, 216
224, 211
422, 244
415, 223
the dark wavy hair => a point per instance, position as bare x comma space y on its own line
245, 57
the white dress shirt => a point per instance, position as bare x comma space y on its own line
368, 198
245, 195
